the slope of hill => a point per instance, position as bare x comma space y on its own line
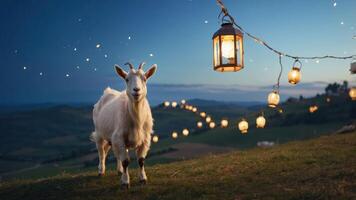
323, 168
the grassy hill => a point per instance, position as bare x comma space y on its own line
51, 140
323, 168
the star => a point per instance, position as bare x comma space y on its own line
25, 68
95, 69
151, 54
80, 19
67, 75
75, 49
41, 73
98, 46
129, 37
206, 21
78, 67
342, 23
335, 4
105, 56
87, 59
317, 61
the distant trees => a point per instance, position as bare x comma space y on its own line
336, 88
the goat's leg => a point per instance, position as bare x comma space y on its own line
122, 154
141, 153
101, 152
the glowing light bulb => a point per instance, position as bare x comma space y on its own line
273, 99
185, 132
212, 124
224, 123
228, 46
174, 135
208, 119
243, 126
174, 104
294, 76
199, 124
260, 122
202, 114
155, 139
166, 103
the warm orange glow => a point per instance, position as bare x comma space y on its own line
174, 135
155, 139
294, 75
313, 109
166, 103
194, 109
212, 124
185, 132
199, 124
243, 126
260, 122
352, 93
202, 114
273, 99
208, 119
174, 104
224, 123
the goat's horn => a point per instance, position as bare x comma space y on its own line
141, 65
130, 65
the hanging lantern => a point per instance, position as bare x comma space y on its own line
352, 93
166, 103
260, 122
199, 124
174, 104
208, 119
224, 123
243, 126
203, 114
174, 135
273, 99
182, 101
185, 132
194, 109
212, 124
155, 138
294, 75
228, 55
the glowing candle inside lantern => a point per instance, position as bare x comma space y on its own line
227, 47
260, 122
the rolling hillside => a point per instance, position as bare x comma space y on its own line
323, 168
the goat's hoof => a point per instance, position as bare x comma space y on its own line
101, 174
125, 186
143, 182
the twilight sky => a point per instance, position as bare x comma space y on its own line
64, 51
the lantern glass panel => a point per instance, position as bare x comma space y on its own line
239, 51
228, 49
216, 51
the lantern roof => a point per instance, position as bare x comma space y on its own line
227, 29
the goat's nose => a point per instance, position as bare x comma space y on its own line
136, 89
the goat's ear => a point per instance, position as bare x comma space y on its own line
120, 72
151, 71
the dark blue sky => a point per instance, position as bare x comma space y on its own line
54, 38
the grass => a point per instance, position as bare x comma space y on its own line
323, 168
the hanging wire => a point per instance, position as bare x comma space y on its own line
260, 41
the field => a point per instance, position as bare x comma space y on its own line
322, 168
48, 141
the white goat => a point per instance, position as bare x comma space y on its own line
123, 120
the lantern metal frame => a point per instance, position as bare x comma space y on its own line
227, 28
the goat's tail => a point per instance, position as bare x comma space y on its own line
93, 137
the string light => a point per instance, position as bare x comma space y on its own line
243, 126
174, 104
273, 99
199, 124
203, 114
212, 124
174, 135
352, 93
182, 101
208, 119
185, 132
313, 109
224, 123
155, 138
166, 103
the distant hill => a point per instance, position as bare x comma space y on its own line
321, 168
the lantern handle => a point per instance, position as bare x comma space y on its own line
297, 61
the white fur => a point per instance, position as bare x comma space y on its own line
124, 119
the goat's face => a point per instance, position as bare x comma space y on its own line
136, 81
